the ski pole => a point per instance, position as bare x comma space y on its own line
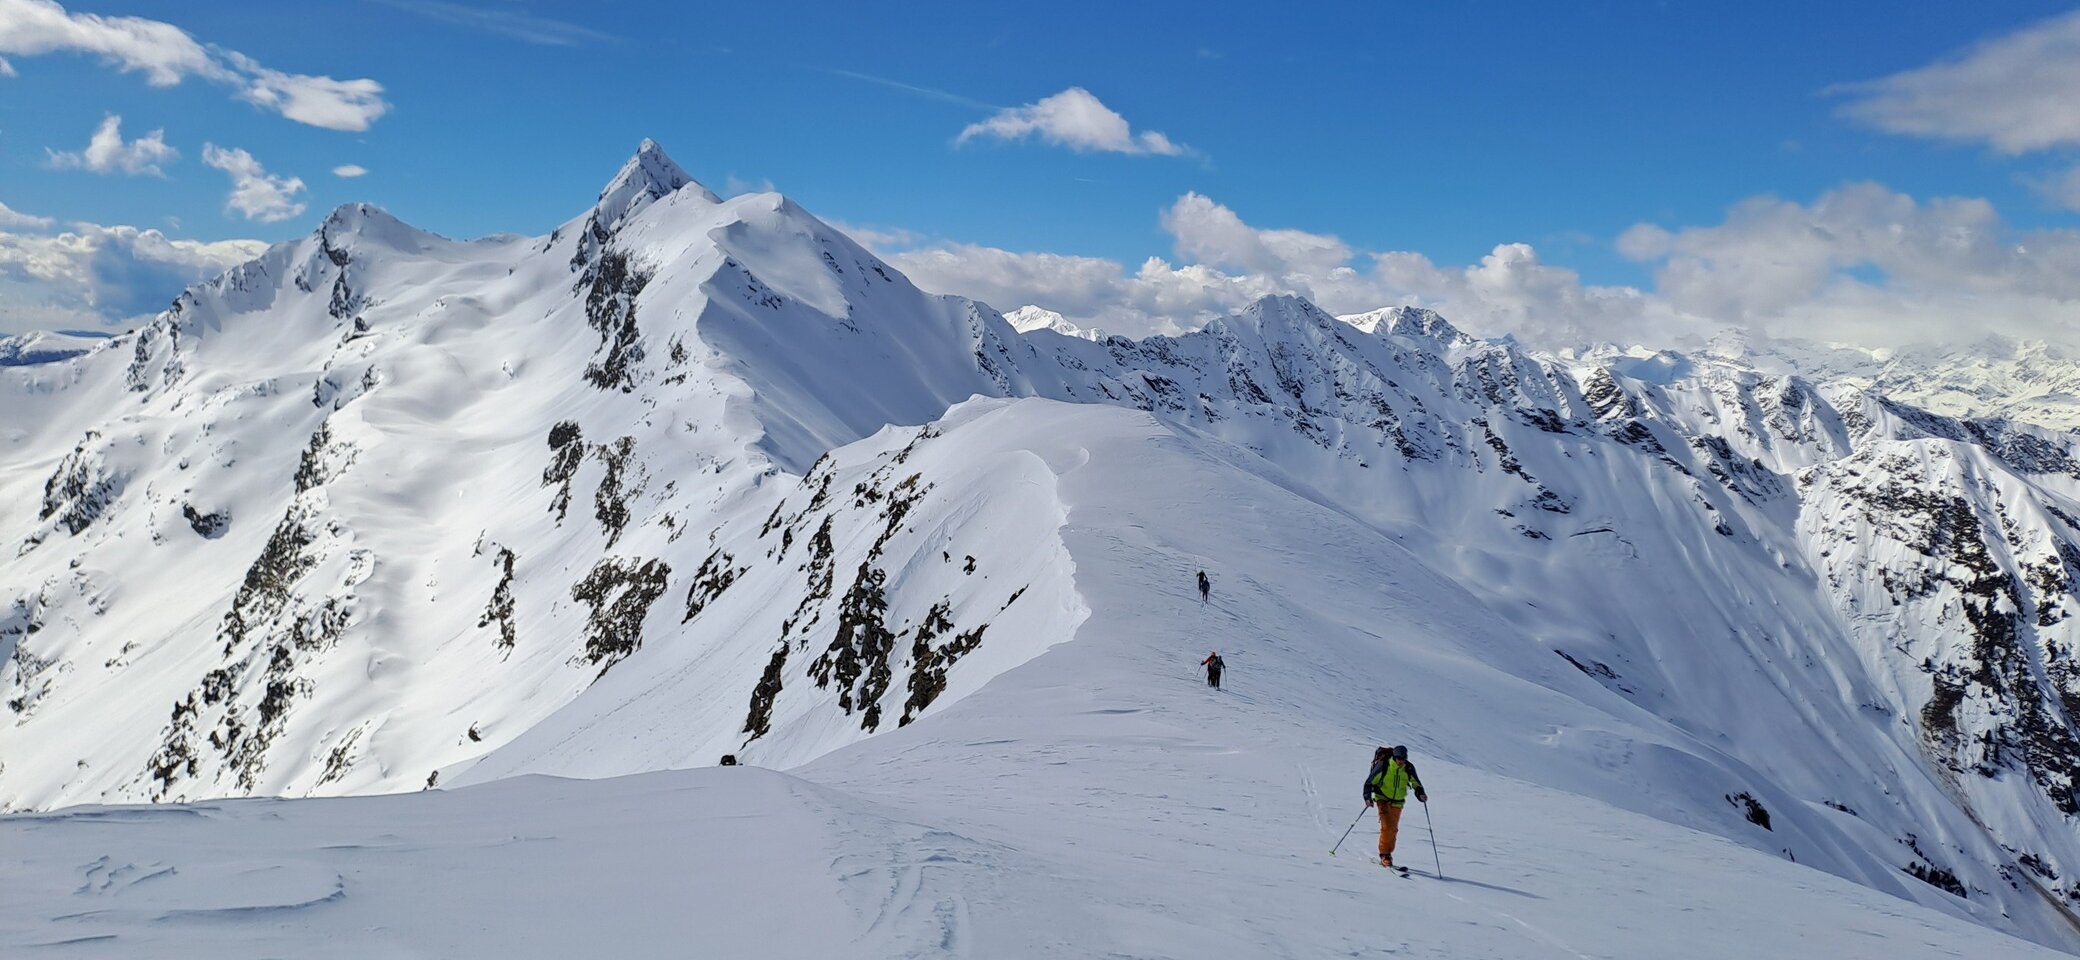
1347, 831
1433, 840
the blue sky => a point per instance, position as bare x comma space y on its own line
1435, 130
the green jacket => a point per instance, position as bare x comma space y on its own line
1389, 782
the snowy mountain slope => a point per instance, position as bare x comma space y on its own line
337, 505
1097, 800
382, 510
746, 862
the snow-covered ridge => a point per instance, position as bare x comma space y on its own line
380, 510
26, 349
1997, 377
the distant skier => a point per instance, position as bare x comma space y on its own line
1387, 784
1205, 587
1213, 666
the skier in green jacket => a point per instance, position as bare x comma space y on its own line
1387, 786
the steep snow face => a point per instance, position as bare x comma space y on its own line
900, 572
381, 510
822, 342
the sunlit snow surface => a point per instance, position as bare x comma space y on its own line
1097, 801
693, 477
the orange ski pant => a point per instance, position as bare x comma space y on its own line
1389, 826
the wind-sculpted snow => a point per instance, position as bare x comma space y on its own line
691, 477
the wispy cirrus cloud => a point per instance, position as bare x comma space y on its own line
107, 152
511, 24
1076, 119
166, 55
928, 93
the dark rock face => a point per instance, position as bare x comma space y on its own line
610, 308
208, 526
499, 610
82, 487
857, 659
620, 483
2027, 698
759, 721
928, 664
620, 591
1750, 808
715, 575
566, 453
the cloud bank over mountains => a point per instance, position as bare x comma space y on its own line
1861, 263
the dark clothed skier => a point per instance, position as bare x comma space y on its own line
1213, 666
1387, 786
1205, 587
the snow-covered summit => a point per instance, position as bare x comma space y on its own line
1415, 323
1029, 318
647, 176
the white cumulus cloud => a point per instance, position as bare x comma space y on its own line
1866, 264
1208, 232
255, 193
348, 171
107, 151
1075, 119
166, 55
2019, 92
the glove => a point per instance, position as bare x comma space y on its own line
1422, 797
